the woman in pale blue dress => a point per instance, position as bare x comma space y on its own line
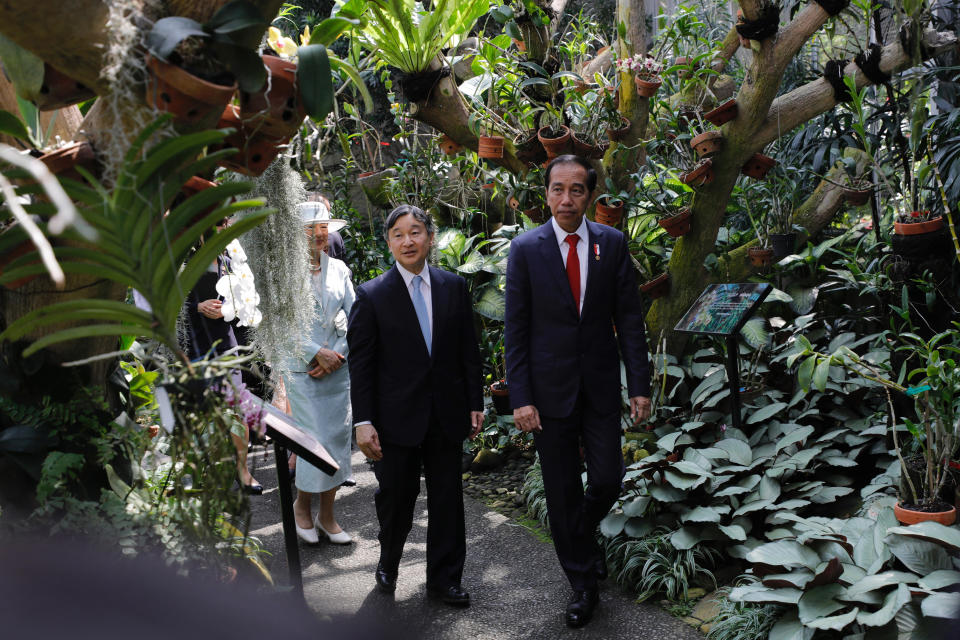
317, 381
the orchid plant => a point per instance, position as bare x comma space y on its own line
640, 65
240, 297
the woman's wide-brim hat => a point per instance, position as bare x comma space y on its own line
314, 212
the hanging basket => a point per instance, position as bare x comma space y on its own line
678, 224
647, 86
59, 90
760, 257
256, 152
587, 150
190, 99
64, 161
758, 166
700, 175
608, 212
490, 147
658, 287
917, 228
707, 143
723, 114
277, 110
448, 145
555, 145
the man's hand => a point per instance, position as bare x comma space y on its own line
527, 418
476, 423
369, 442
639, 408
210, 308
325, 362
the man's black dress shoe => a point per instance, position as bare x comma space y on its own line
452, 595
386, 581
581, 607
255, 489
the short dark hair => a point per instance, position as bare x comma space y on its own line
418, 214
569, 158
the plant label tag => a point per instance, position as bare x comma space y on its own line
164, 409
914, 391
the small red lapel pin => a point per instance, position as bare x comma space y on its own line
596, 251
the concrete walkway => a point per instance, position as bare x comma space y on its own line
517, 588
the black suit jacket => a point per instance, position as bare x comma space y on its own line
552, 352
394, 382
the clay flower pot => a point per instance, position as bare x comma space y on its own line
256, 151
760, 257
909, 516
646, 86
555, 146
189, 98
63, 162
59, 90
857, 197
500, 395
677, 224
528, 148
684, 60
195, 185
521, 45
587, 150
723, 114
707, 143
620, 133
758, 165
916, 228
658, 287
701, 174
448, 145
490, 146
608, 211
276, 110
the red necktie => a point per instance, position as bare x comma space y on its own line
573, 268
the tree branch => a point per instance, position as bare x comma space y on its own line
814, 98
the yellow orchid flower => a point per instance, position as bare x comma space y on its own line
305, 37
283, 45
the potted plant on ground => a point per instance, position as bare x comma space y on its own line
933, 383
762, 254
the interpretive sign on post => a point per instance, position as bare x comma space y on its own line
722, 310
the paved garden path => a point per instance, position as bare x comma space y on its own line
516, 586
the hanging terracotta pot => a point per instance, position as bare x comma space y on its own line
608, 211
701, 174
707, 143
617, 134
909, 516
658, 287
678, 224
587, 150
758, 165
528, 148
521, 45
916, 228
647, 86
857, 197
276, 110
724, 113
59, 90
490, 146
684, 60
256, 152
760, 257
63, 162
195, 185
189, 98
448, 145
557, 145
744, 41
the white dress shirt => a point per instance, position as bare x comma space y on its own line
408, 277
582, 252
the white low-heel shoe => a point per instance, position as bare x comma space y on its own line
336, 538
307, 535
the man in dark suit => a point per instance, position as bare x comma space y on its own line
571, 298
416, 394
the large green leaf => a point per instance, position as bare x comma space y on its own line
919, 556
891, 606
701, 514
819, 602
834, 623
760, 593
790, 628
686, 537
931, 532
940, 579
767, 412
740, 452
733, 531
13, 126
785, 553
941, 605
880, 581
315, 80
492, 304
796, 436
755, 333
612, 525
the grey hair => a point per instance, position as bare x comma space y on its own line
418, 214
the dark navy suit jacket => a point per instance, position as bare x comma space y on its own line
394, 382
552, 352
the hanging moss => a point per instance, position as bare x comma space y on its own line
278, 254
